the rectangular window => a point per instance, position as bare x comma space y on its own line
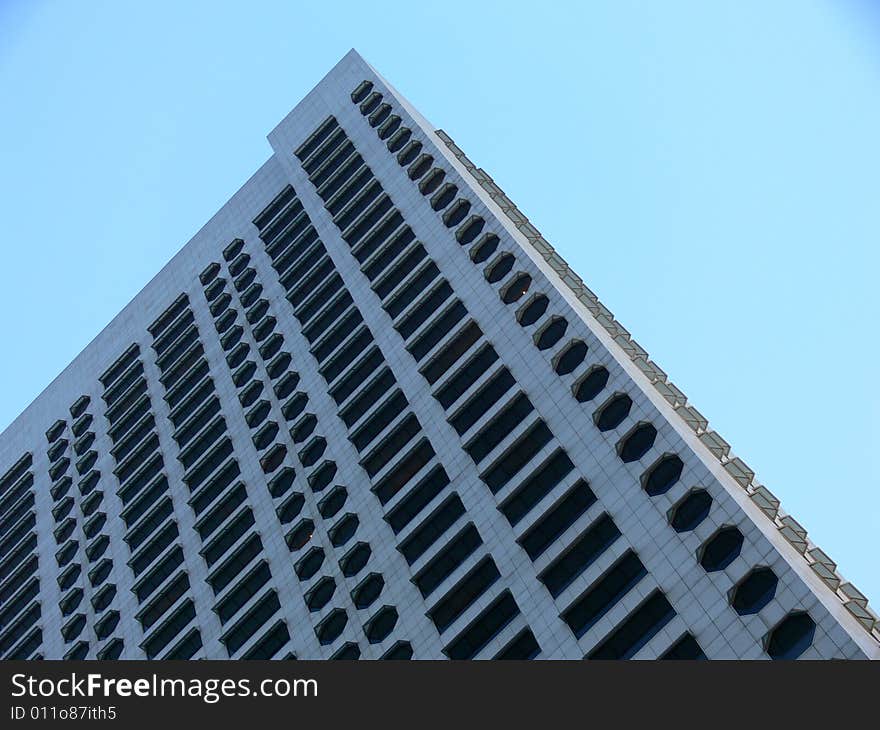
218, 514
151, 613
433, 526
355, 346
542, 481
418, 316
614, 584
208, 464
480, 403
144, 529
333, 164
366, 249
251, 622
215, 550
390, 252
165, 319
379, 421
401, 270
120, 407
405, 470
150, 582
283, 221
412, 290
132, 439
235, 564
347, 194
465, 592
576, 559
159, 639
271, 210
557, 519
368, 397
317, 256
637, 630
517, 455
160, 541
322, 323
418, 498
192, 402
437, 331
183, 365
243, 592
188, 431
174, 396
299, 293
333, 141
316, 302
314, 141
358, 375
163, 342
329, 188
306, 244
129, 419
391, 446
338, 335
270, 644
524, 646
447, 560
136, 509
449, 355
499, 427
484, 628
178, 349
372, 191
127, 468
222, 479
111, 395
117, 368
206, 439
368, 220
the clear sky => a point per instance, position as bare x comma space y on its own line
710, 169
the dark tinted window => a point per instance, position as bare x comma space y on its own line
604, 593
533, 311
574, 561
612, 414
721, 549
558, 519
484, 628
690, 511
637, 630
685, 648
662, 475
754, 591
791, 637
637, 443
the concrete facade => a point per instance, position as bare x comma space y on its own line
170, 568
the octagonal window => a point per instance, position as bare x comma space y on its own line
791, 637
378, 627
665, 472
754, 591
690, 511
721, 549
639, 441
321, 593
612, 414
354, 560
368, 590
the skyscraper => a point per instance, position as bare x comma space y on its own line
368, 411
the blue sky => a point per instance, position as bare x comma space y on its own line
710, 169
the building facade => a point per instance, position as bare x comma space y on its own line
368, 412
